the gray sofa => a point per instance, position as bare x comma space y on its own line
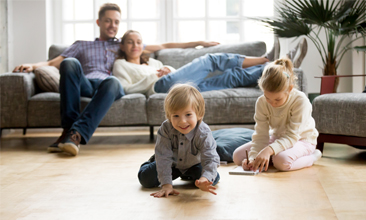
24, 106
340, 118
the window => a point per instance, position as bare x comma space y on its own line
160, 21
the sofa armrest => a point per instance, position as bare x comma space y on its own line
15, 91
301, 80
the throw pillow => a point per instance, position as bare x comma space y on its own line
47, 78
229, 139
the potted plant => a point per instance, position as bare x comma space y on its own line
338, 19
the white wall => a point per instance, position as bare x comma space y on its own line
27, 34
359, 67
313, 65
3, 36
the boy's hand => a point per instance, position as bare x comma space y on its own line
246, 165
262, 159
205, 185
166, 190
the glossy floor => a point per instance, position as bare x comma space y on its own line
101, 183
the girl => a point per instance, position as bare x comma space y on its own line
284, 126
141, 74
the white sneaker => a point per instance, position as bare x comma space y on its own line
317, 155
297, 54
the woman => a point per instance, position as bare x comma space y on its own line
140, 74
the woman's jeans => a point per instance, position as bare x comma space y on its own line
196, 72
73, 85
148, 175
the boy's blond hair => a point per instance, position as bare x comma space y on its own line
181, 96
278, 76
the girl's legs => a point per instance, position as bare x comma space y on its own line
232, 78
297, 157
239, 154
197, 70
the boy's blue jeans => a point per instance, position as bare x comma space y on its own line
73, 85
195, 72
148, 175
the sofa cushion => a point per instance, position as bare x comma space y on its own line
56, 50
178, 57
229, 139
44, 110
340, 114
228, 106
47, 78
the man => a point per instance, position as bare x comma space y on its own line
86, 70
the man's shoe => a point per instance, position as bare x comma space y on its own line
274, 54
53, 148
152, 158
297, 54
71, 143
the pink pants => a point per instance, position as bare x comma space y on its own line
297, 157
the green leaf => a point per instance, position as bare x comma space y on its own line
338, 18
360, 48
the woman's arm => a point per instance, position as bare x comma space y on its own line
153, 48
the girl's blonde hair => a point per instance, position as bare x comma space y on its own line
180, 97
278, 76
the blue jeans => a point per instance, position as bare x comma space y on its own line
196, 72
148, 175
73, 85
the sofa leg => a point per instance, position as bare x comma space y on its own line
320, 146
151, 132
24, 131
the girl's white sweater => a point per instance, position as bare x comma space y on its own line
290, 123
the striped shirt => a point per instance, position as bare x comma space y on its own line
96, 57
173, 149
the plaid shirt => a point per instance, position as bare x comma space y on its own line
96, 57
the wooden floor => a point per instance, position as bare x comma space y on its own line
101, 183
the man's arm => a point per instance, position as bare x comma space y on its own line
153, 48
31, 67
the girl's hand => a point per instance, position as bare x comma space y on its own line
246, 165
205, 185
262, 159
163, 71
166, 190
